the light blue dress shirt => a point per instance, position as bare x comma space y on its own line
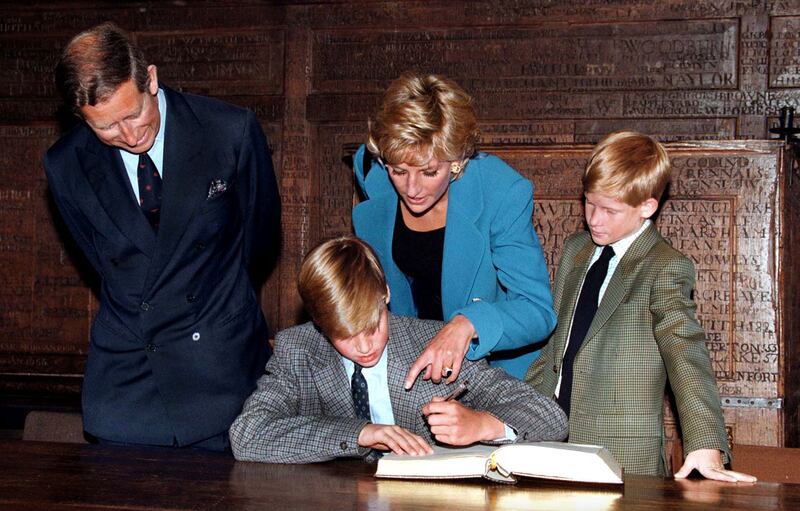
380, 404
156, 152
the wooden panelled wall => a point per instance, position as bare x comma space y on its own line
541, 72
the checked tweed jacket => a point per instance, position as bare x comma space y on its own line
303, 412
644, 333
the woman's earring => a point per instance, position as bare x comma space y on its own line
455, 167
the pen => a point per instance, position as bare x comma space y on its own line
458, 391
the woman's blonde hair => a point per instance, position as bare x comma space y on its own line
343, 287
628, 166
422, 116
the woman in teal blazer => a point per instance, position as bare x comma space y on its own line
422, 176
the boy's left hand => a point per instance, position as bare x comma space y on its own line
709, 463
455, 424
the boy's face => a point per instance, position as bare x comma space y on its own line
610, 220
365, 348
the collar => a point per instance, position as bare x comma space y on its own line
378, 369
622, 246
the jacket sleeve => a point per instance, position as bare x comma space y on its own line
258, 196
526, 315
681, 342
533, 416
274, 426
78, 225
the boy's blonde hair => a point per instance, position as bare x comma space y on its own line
343, 287
628, 166
422, 116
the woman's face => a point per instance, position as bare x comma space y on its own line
421, 187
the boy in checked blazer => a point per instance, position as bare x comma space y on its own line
334, 387
626, 324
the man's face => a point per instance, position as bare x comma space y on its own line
610, 220
129, 119
365, 348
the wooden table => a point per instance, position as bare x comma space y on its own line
41, 476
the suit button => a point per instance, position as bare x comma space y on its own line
151, 348
196, 336
145, 306
343, 446
190, 298
199, 247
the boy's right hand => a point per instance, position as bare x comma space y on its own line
393, 438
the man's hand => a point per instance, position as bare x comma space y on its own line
709, 463
393, 438
455, 424
445, 351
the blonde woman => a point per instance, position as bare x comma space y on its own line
452, 228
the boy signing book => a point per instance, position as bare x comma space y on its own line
334, 387
626, 324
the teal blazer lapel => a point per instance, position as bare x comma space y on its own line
382, 212
463, 242
106, 174
622, 280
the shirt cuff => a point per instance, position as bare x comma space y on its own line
510, 436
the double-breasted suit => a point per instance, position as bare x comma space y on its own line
179, 339
303, 410
644, 334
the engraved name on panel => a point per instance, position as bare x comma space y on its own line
45, 306
668, 55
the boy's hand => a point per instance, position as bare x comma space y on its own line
445, 353
455, 424
393, 438
709, 463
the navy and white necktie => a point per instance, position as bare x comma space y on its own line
358, 386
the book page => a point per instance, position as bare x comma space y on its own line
445, 462
557, 460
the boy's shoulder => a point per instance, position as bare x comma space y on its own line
659, 251
303, 338
411, 333
650, 247
575, 242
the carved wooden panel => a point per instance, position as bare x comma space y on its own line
44, 302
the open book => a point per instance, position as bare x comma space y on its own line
549, 460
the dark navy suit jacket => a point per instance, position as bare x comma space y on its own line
179, 340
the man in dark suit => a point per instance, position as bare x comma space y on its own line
335, 387
173, 200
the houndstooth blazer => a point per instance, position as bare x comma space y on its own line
302, 410
644, 332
